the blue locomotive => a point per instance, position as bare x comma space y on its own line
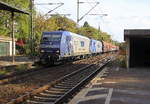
62, 45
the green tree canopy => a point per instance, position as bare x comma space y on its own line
21, 20
42, 23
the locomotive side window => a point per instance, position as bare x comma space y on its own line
82, 43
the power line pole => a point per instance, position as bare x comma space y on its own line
31, 26
102, 15
78, 8
77, 11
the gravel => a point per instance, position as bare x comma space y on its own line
17, 88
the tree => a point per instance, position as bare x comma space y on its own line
86, 24
42, 23
21, 20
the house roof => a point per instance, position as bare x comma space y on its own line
7, 7
5, 39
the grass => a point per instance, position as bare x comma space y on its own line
121, 61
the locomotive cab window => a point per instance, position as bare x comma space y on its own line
56, 37
45, 38
52, 37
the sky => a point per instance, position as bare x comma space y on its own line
121, 14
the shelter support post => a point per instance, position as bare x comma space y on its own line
12, 17
128, 53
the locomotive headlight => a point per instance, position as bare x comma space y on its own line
57, 51
42, 50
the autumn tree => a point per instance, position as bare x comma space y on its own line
43, 23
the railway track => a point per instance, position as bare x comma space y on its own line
24, 74
20, 75
61, 90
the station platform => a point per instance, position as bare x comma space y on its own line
7, 61
117, 86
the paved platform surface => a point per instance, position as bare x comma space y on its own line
117, 86
7, 61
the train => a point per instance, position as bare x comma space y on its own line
58, 46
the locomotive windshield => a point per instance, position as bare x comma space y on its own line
50, 40
51, 37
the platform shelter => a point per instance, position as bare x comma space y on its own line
138, 47
7, 7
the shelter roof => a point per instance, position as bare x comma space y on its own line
136, 33
7, 7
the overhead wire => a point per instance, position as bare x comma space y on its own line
105, 23
101, 17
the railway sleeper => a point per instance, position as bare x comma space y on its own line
62, 87
56, 89
37, 102
69, 83
51, 94
74, 79
44, 99
66, 85
54, 92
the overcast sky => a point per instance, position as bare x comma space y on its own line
122, 14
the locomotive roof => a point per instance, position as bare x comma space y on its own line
67, 32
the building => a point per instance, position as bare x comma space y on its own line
6, 46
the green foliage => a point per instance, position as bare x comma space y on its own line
94, 33
122, 46
53, 23
5, 23
121, 61
21, 20
86, 24
42, 23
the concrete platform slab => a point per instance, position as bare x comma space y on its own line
7, 61
121, 86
